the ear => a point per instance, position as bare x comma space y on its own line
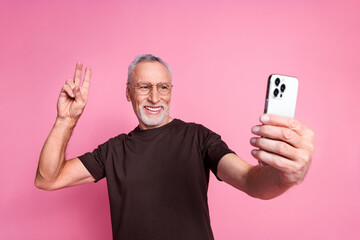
128, 94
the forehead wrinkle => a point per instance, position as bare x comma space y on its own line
152, 72
149, 83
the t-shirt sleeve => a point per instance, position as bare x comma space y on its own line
95, 161
214, 148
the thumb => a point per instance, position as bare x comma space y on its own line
77, 93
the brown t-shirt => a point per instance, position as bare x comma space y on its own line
158, 179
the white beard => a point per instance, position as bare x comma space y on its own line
153, 120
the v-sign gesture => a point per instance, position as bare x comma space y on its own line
54, 171
73, 95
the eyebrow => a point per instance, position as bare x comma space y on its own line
148, 83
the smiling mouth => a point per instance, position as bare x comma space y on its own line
153, 110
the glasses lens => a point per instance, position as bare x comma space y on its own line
143, 88
164, 89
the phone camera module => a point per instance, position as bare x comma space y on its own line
283, 87
276, 92
277, 81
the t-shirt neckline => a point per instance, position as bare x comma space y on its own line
138, 130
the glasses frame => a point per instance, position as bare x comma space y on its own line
136, 87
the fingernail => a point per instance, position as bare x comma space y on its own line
265, 118
255, 129
252, 140
254, 152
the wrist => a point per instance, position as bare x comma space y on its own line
282, 184
67, 123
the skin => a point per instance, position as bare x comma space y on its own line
287, 151
53, 171
284, 144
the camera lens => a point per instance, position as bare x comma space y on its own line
277, 81
282, 87
276, 92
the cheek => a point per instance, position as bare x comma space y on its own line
137, 101
167, 99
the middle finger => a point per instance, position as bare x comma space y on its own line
78, 73
278, 133
274, 146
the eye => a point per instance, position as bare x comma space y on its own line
164, 86
144, 87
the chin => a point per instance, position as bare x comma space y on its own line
153, 121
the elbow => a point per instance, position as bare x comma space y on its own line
260, 196
43, 182
43, 185
263, 195
253, 190
38, 185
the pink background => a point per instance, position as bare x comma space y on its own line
221, 53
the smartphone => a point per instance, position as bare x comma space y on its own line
281, 95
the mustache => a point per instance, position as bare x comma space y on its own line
153, 105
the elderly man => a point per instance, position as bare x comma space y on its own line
158, 174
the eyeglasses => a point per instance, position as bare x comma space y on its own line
145, 88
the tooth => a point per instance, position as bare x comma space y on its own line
153, 108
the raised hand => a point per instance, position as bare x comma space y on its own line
54, 171
287, 146
74, 95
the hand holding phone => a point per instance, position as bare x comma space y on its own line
281, 96
282, 142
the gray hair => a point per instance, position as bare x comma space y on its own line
145, 58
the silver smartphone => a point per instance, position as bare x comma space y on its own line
281, 95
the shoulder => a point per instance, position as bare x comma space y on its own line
196, 128
190, 124
113, 141
120, 139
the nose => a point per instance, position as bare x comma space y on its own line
154, 95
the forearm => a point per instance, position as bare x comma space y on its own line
264, 182
52, 156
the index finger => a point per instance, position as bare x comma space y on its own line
281, 121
